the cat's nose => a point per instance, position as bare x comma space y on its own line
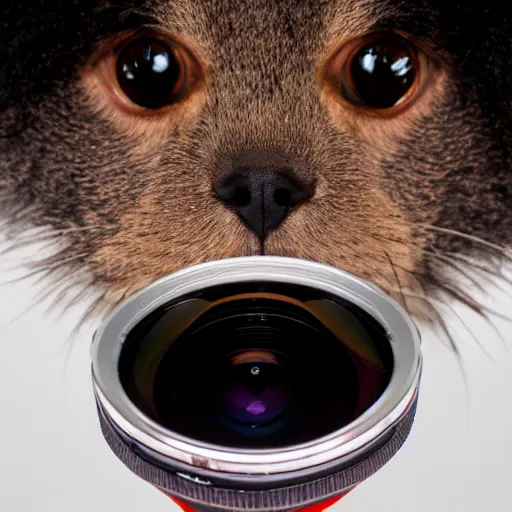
263, 199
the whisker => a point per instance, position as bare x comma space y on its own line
73, 301
468, 301
445, 257
417, 276
393, 268
382, 238
452, 309
472, 238
89, 312
465, 299
74, 282
100, 301
40, 298
55, 261
43, 273
15, 246
432, 302
61, 232
47, 267
470, 332
445, 328
483, 270
446, 260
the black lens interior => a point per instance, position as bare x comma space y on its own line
253, 372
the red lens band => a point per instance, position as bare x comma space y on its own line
183, 506
319, 507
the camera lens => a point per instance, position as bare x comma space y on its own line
252, 371
257, 383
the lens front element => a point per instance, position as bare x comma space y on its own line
253, 370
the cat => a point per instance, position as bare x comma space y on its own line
141, 137
371, 135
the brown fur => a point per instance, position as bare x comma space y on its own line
136, 190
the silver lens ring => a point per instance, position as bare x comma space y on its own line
344, 444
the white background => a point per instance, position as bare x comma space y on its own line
53, 457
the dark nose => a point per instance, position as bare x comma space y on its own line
262, 199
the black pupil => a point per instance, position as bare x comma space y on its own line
149, 73
383, 73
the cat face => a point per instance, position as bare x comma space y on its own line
369, 135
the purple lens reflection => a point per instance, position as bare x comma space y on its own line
255, 392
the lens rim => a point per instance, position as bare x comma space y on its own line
383, 415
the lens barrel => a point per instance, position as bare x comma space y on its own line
259, 383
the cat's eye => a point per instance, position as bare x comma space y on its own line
151, 72
380, 73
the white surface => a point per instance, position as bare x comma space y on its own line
53, 457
